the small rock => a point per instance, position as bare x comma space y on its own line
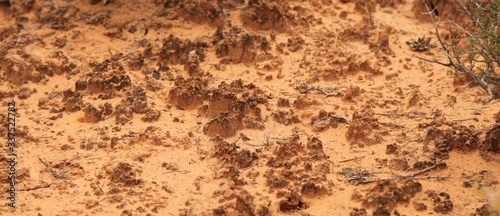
228, 193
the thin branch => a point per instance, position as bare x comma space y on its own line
485, 48
454, 98
351, 159
439, 178
437, 30
324, 90
464, 8
461, 67
476, 22
358, 176
434, 61
425, 170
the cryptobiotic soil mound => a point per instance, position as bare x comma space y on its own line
256, 107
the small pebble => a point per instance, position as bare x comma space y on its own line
228, 193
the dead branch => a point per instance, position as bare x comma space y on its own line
358, 176
328, 93
433, 61
454, 61
56, 173
414, 140
424, 170
411, 114
351, 159
485, 48
436, 29
462, 120
480, 81
476, 22
439, 178
454, 98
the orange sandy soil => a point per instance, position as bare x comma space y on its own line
203, 108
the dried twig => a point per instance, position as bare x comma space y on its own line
433, 61
454, 61
99, 187
424, 170
412, 178
57, 173
454, 98
414, 140
358, 176
327, 92
477, 23
351, 159
467, 119
411, 114
392, 114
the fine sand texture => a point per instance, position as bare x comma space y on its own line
241, 107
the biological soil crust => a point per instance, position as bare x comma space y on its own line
256, 107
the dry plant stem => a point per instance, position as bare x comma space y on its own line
433, 61
392, 114
461, 120
99, 187
485, 48
414, 140
424, 170
474, 77
437, 30
237, 139
454, 61
57, 173
351, 159
476, 23
325, 91
43, 162
454, 98
412, 176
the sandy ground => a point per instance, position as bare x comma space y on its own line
259, 107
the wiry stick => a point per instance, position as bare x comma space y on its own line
326, 92
460, 66
485, 48
412, 178
433, 61
454, 61
56, 173
454, 98
437, 30
358, 176
351, 159
425, 170
477, 23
